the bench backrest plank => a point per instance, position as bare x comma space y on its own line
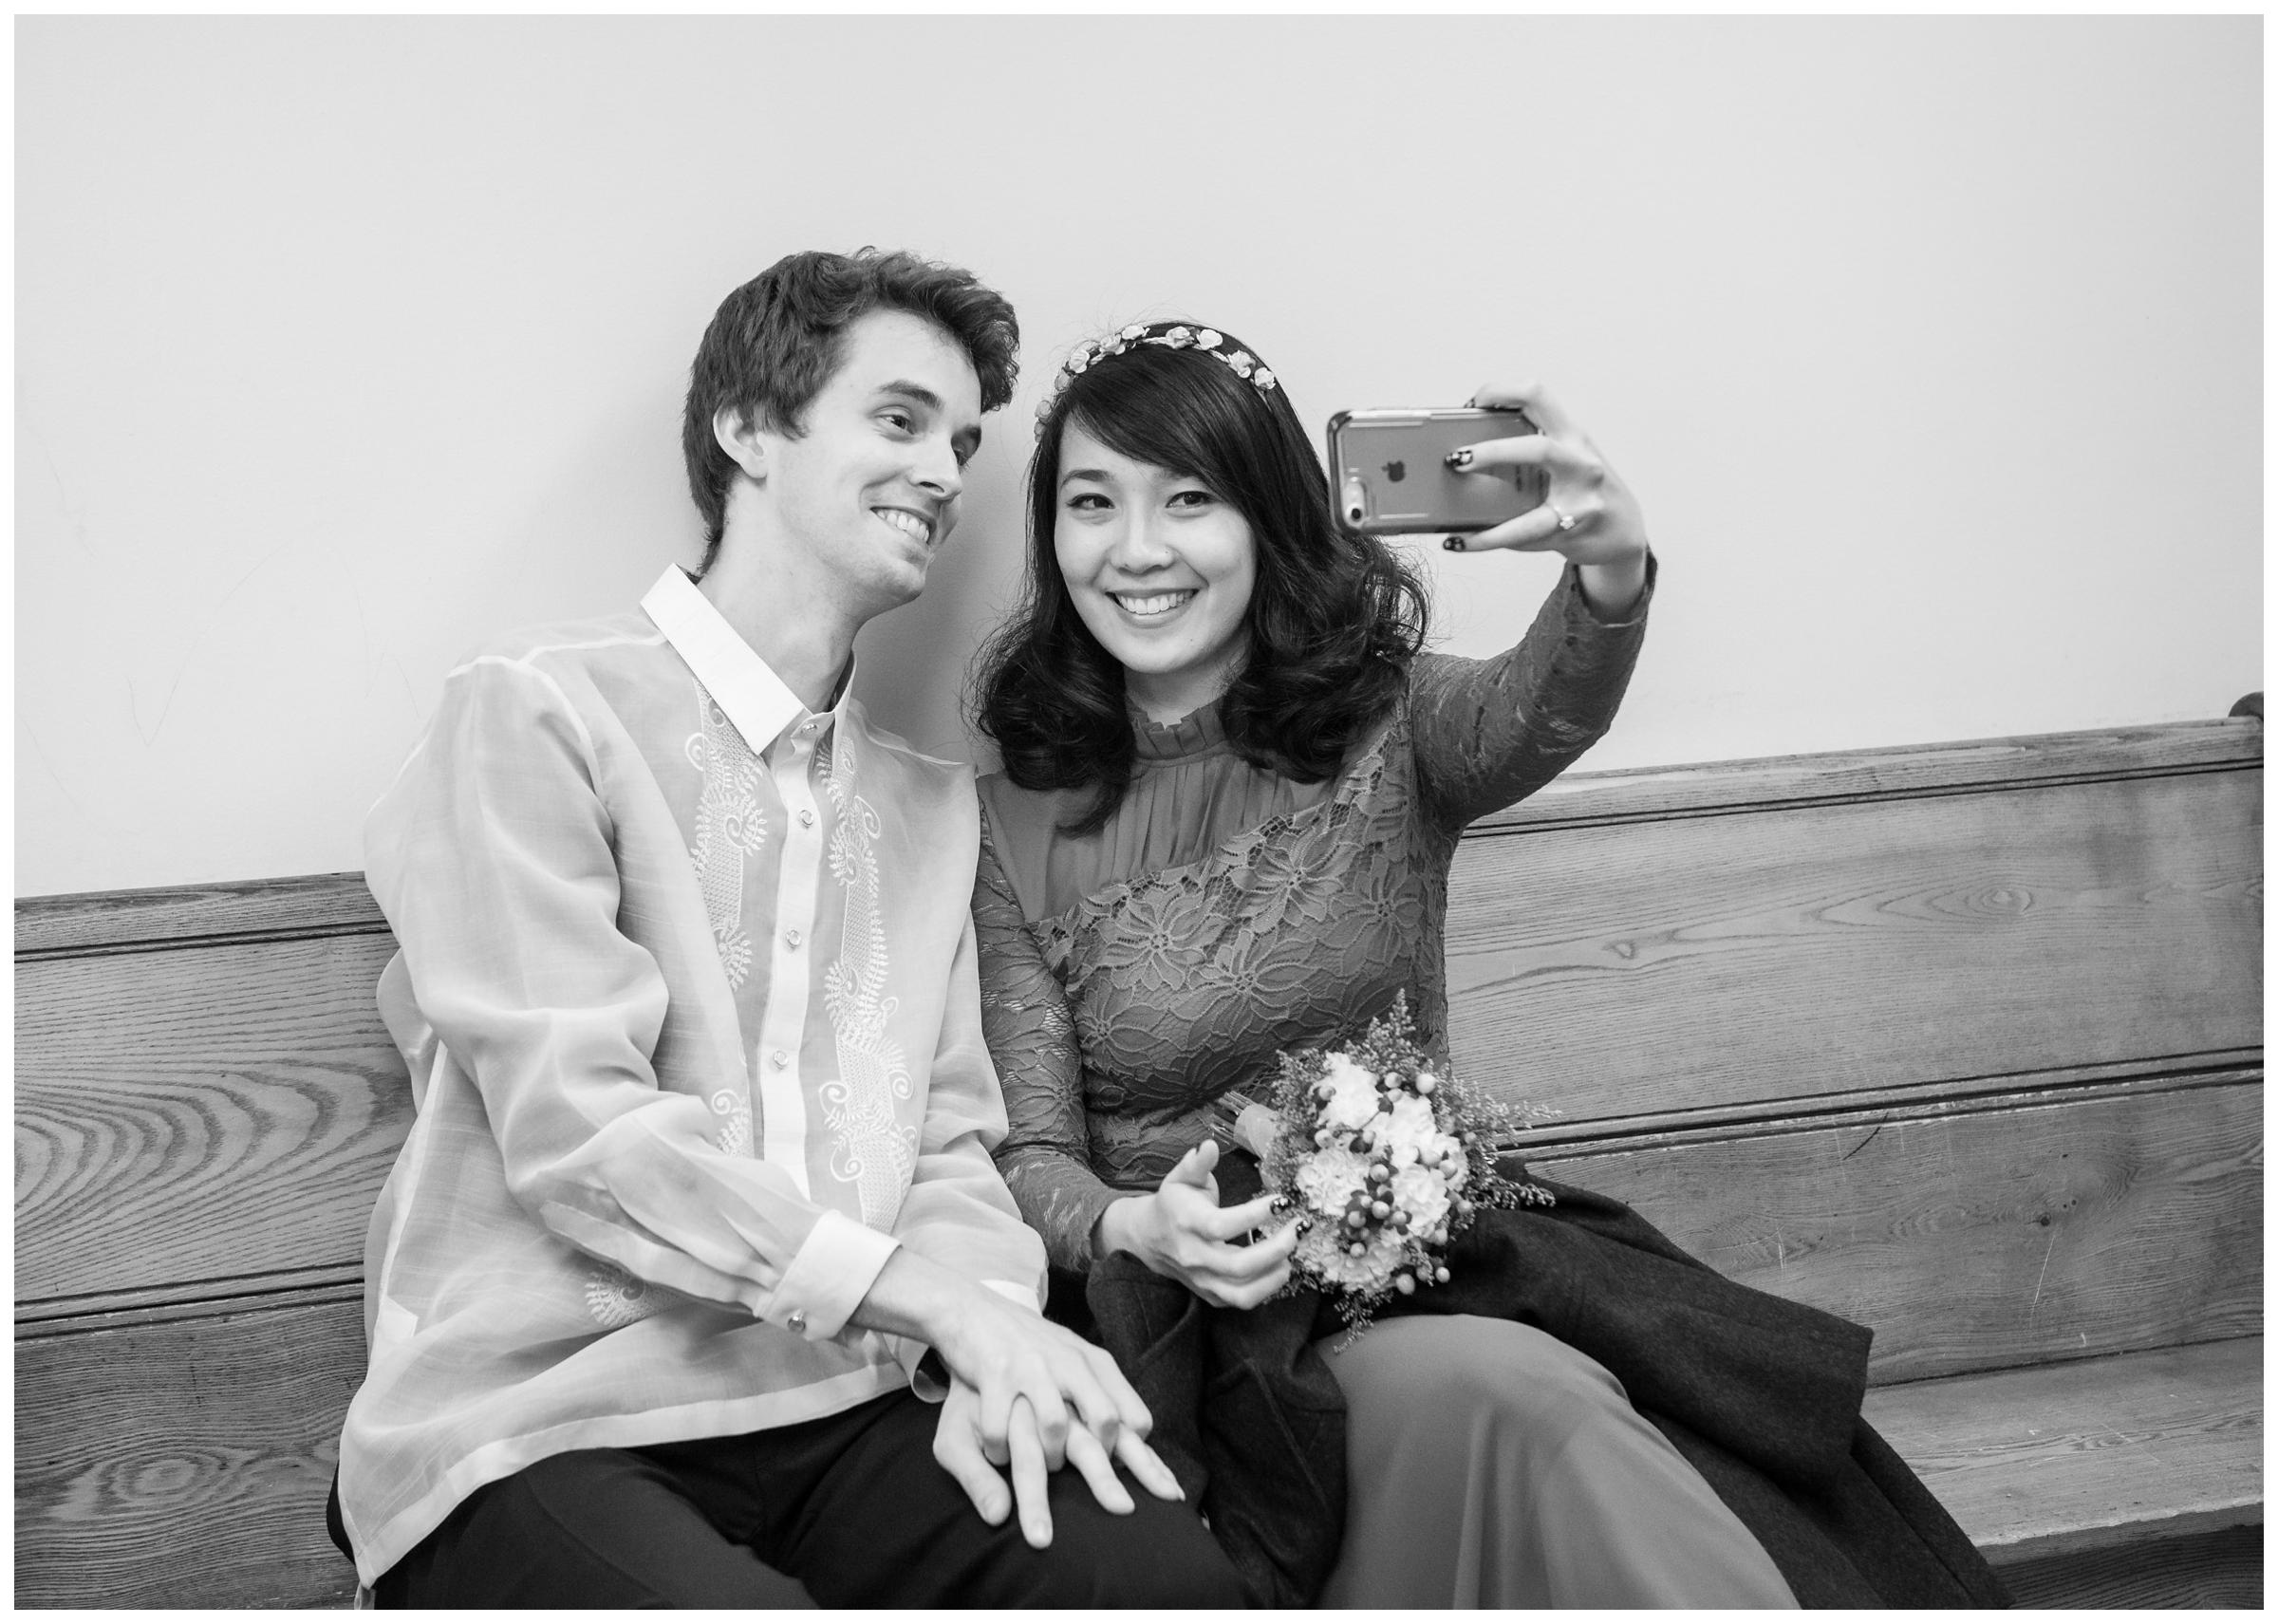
1714, 960
190, 1115
1997, 1233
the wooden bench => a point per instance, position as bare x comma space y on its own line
1963, 1042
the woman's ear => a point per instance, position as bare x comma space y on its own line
742, 439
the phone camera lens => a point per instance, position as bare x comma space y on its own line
1356, 500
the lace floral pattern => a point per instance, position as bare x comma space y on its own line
1116, 1022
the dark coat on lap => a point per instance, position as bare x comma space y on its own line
1761, 1394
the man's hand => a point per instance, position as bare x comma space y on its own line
1016, 1378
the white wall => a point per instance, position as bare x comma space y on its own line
1932, 346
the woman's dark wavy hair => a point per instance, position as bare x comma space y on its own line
1333, 621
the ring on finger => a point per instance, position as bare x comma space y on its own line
1566, 520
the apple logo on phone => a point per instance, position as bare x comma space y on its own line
1395, 472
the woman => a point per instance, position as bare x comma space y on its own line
1233, 786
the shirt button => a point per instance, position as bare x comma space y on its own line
805, 818
792, 937
781, 1058
798, 1321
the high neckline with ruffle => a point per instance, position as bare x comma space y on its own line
1197, 733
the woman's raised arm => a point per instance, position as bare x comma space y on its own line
1491, 732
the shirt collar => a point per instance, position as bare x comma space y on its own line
745, 687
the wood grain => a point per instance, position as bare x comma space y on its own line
2221, 1569
196, 1115
1709, 962
1981, 1238
90, 921
1895, 772
2063, 1458
184, 1465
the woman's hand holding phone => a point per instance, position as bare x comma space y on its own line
1589, 515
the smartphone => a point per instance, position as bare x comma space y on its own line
1389, 474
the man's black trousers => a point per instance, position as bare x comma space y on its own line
852, 1508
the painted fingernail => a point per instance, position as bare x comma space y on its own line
1460, 458
1453, 544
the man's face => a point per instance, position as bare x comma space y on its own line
863, 498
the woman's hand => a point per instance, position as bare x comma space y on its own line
1181, 1231
1026, 1396
1589, 515
965, 1447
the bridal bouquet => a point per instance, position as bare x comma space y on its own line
1389, 1157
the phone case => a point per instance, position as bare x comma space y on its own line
1389, 474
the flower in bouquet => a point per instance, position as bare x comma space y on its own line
1389, 1157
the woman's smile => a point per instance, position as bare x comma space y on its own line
1152, 605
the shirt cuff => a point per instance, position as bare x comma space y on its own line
829, 1276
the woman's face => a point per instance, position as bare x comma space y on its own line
1160, 568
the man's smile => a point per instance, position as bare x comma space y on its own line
916, 527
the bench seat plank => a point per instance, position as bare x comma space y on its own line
2057, 1459
1979, 1237
2218, 1569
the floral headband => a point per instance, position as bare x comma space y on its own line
1092, 351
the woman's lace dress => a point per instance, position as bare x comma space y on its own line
1222, 913
1130, 976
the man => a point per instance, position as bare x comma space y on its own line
698, 1208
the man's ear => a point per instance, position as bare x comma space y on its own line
740, 435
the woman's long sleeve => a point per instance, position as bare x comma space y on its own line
1492, 732
1045, 1156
